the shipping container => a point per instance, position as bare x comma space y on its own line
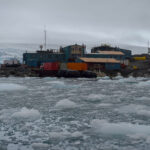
139, 58
77, 66
63, 66
50, 66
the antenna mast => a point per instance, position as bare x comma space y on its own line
45, 37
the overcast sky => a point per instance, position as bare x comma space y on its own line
75, 21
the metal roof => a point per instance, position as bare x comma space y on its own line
111, 52
99, 60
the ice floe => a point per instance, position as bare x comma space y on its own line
11, 87
96, 97
143, 84
104, 105
65, 134
65, 103
40, 146
25, 113
135, 109
120, 128
62, 85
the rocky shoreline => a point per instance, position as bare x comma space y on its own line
23, 71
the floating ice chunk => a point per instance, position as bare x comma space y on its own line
11, 87
147, 139
132, 108
65, 134
29, 114
144, 83
59, 135
62, 85
40, 146
5, 114
144, 112
128, 80
118, 77
56, 82
12, 147
18, 147
96, 97
65, 104
4, 137
105, 80
143, 98
137, 109
104, 105
103, 126
76, 134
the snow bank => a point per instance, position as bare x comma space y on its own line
105, 127
25, 113
65, 104
11, 87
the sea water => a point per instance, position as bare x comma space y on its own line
74, 114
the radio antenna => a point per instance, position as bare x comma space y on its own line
45, 37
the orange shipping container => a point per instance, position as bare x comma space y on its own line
77, 66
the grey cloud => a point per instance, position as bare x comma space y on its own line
89, 21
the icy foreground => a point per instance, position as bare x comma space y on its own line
72, 114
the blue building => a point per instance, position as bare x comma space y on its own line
39, 57
127, 53
108, 59
64, 55
72, 52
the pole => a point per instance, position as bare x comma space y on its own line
45, 37
148, 48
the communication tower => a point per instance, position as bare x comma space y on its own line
45, 37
